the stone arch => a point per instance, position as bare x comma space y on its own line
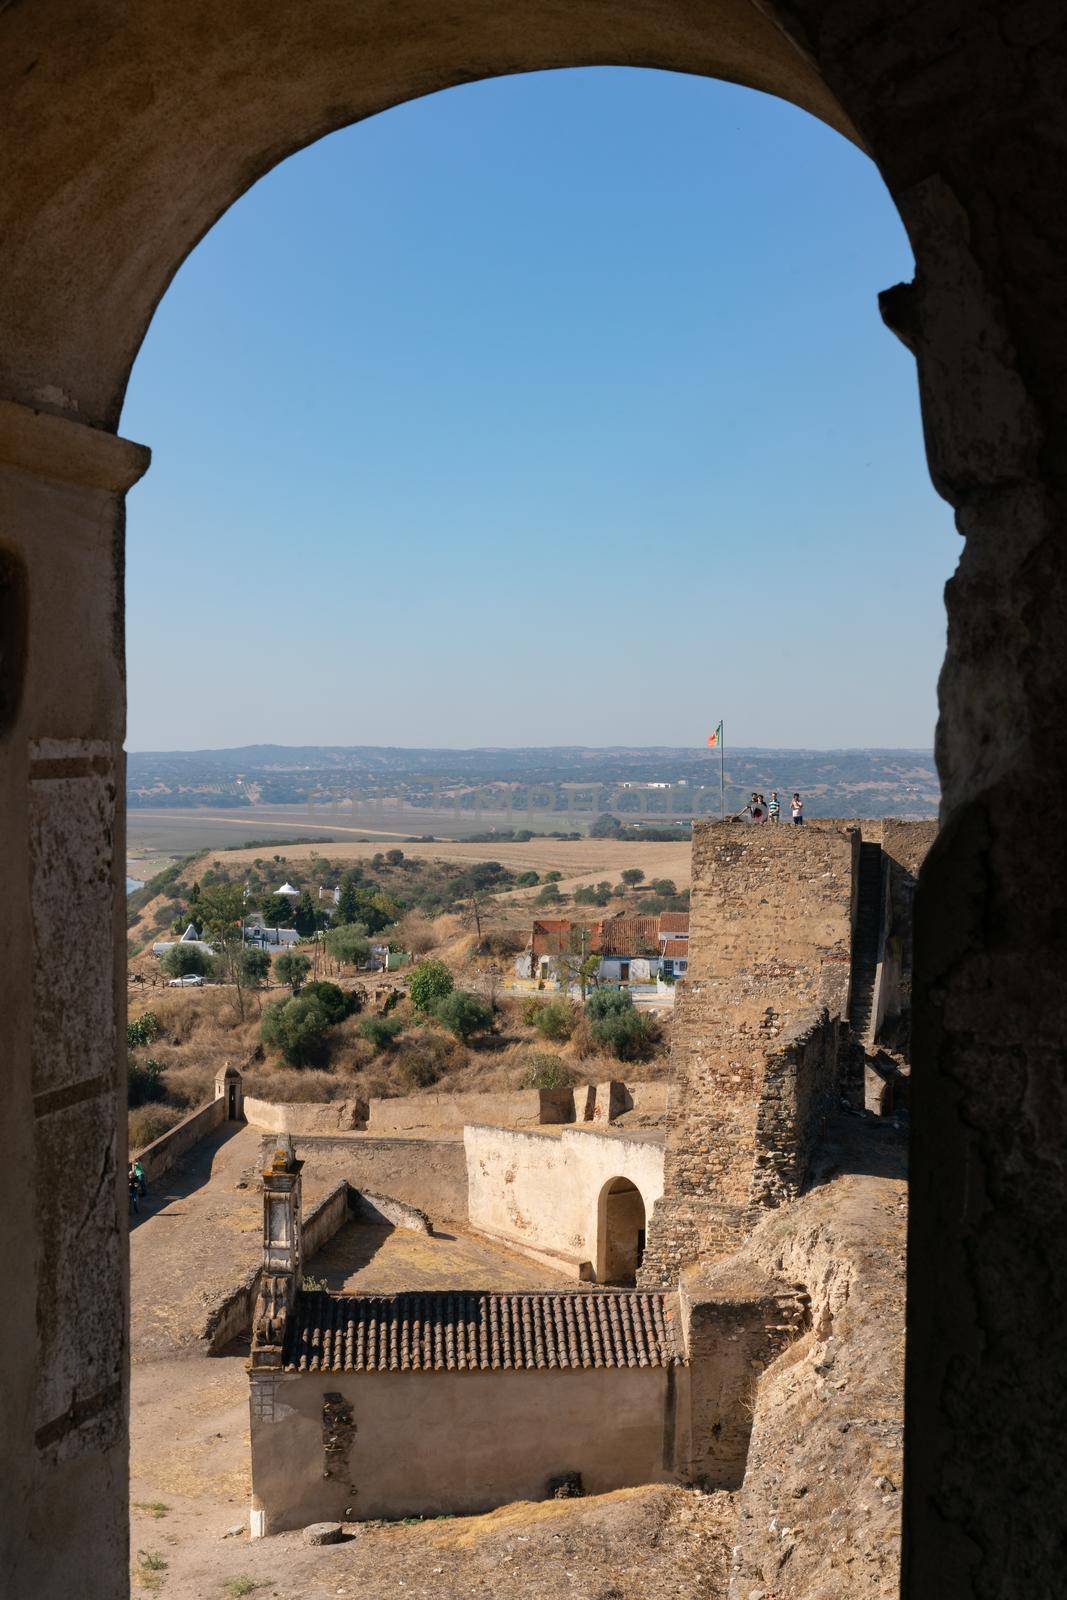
125, 132
622, 1219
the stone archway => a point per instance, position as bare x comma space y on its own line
125, 132
620, 1236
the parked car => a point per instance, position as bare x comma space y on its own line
192, 980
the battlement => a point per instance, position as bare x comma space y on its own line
761, 1024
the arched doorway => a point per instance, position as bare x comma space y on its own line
620, 1232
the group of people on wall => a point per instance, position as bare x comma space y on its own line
760, 810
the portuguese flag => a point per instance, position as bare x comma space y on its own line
715, 739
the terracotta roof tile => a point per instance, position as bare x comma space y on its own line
629, 936
674, 922
474, 1331
673, 948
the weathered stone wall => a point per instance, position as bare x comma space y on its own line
801, 1077
734, 1321
771, 942
512, 1108
300, 1116
159, 1156
905, 846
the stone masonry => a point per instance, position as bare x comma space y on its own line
757, 1031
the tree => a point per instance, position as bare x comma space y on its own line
305, 918
347, 901
144, 1081
335, 1003
381, 1032
556, 1020
185, 961
665, 887
292, 968
394, 857
277, 911
463, 1014
553, 877
255, 965
223, 909
575, 963
549, 895
615, 1026
527, 880
605, 827
298, 1028
430, 981
364, 904
348, 944
143, 1030
632, 876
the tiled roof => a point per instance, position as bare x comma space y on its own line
676, 947
471, 1332
629, 936
674, 922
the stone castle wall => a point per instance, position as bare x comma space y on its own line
756, 1034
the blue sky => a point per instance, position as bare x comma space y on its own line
550, 410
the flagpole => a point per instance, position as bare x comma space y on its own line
722, 769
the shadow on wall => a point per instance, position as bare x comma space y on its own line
620, 1232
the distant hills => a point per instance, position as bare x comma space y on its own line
570, 781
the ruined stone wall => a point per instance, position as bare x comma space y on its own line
800, 1089
771, 943
905, 846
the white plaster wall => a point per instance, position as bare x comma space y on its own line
543, 1191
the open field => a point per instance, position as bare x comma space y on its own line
583, 860
180, 831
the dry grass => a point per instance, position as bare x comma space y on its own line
202, 1030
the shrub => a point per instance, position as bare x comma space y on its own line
144, 1081
143, 1031
615, 1026
380, 1031
530, 1009
298, 1028
255, 967
556, 1020
553, 877
548, 896
292, 968
420, 1061
527, 880
185, 960
463, 1014
394, 857
430, 982
149, 1122
335, 1003
348, 943
545, 1071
